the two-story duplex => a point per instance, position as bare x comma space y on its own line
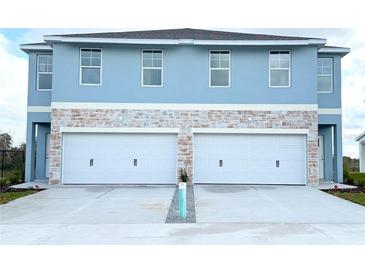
135, 107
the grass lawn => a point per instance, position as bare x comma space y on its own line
355, 197
12, 195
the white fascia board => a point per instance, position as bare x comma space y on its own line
118, 130
330, 111
35, 47
56, 38
361, 136
38, 109
334, 50
250, 131
146, 106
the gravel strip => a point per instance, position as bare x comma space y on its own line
173, 214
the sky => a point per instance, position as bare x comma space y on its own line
14, 76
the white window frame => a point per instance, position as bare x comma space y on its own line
289, 69
326, 91
142, 67
101, 68
229, 69
41, 89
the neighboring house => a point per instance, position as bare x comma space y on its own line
135, 107
361, 140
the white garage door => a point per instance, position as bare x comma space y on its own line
250, 159
112, 158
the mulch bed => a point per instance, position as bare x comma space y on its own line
347, 190
24, 189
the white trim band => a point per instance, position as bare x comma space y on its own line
118, 130
330, 111
274, 107
267, 107
38, 109
251, 130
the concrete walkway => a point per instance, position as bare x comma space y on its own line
157, 234
225, 215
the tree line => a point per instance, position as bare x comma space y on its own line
11, 157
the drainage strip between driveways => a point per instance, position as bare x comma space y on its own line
173, 214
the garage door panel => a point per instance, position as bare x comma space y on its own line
249, 158
119, 158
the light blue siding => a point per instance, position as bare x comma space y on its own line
185, 76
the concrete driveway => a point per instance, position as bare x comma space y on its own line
225, 215
52, 214
91, 205
273, 204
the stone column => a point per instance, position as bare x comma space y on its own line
55, 150
185, 153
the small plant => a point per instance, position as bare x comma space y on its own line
184, 177
4, 184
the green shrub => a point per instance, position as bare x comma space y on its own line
14, 179
358, 178
18, 174
184, 177
347, 178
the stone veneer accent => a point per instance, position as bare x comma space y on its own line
185, 120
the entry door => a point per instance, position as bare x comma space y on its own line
321, 157
47, 154
250, 159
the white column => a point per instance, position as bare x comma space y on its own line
362, 156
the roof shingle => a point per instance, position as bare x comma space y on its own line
185, 33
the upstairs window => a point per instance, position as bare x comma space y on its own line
44, 72
280, 68
324, 74
219, 68
90, 67
152, 68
